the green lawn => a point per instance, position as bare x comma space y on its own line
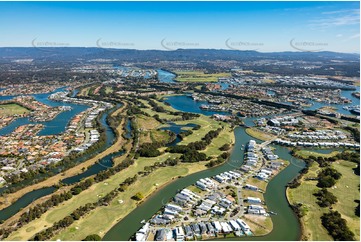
346, 190
199, 76
108, 90
307, 153
12, 109
88, 196
109, 215
225, 137
258, 134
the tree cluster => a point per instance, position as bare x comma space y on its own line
336, 226
325, 198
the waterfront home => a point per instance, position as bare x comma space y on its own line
159, 219
262, 176
173, 207
235, 174
170, 212
219, 179
256, 209
245, 168
276, 165
266, 171
182, 199
201, 186
251, 162
189, 193
244, 226
254, 200
142, 234
251, 187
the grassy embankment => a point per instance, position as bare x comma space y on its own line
12, 109
109, 215
199, 76
258, 134
346, 190
10, 198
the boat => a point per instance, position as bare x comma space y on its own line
272, 213
143, 221
355, 111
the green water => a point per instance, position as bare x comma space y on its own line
286, 225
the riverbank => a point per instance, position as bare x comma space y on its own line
54, 180
256, 133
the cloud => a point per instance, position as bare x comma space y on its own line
339, 35
337, 19
355, 36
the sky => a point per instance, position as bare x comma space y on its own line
261, 26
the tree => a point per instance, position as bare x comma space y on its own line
325, 198
92, 237
138, 196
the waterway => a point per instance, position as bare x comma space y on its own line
102, 164
339, 107
165, 76
187, 104
52, 127
177, 129
274, 197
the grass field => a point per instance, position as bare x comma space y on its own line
149, 111
258, 134
12, 109
199, 76
109, 215
346, 190
307, 153
225, 137
87, 196
90, 224
108, 90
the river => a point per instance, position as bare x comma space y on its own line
275, 196
278, 203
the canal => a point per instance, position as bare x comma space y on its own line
275, 197
102, 164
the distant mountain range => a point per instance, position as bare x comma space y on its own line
69, 53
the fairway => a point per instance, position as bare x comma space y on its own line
306, 153
313, 229
12, 109
258, 134
109, 215
199, 76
